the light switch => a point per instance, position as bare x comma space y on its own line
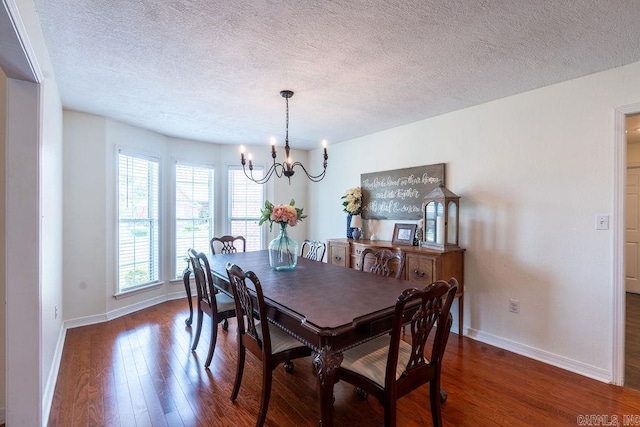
602, 222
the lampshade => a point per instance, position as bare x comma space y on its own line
356, 221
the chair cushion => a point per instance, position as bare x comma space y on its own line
369, 359
224, 302
280, 340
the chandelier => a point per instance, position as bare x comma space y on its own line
286, 167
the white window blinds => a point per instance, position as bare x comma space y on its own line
245, 200
194, 212
138, 190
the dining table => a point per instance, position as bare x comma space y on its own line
328, 308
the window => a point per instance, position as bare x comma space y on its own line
245, 200
194, 212
138, 190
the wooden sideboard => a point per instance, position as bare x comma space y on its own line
421, 265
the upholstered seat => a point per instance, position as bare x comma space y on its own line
280, 340
370, 358
224, 302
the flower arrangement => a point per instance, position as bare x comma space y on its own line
282, 214
353, 201
283, 251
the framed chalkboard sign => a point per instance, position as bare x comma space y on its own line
398, 194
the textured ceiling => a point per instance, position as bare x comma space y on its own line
212, 70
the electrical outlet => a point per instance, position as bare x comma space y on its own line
514, 305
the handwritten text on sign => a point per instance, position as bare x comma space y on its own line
398, 194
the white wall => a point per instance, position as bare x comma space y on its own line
533, 171
90, 214
84, 215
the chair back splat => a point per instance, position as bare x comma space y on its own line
313, 249
382, 261
389, 367
228, 244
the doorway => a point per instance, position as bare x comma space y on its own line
632, 253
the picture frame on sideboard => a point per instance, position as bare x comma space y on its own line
403, 234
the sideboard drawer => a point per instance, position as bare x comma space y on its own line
420, 269
355, 262
356, 252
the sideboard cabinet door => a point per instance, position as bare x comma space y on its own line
338, 253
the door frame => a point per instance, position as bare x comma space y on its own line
619, 193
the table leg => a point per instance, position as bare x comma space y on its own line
187, 287
326, 363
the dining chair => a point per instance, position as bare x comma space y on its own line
388, 367
218, 305
313, 249
228, 244
264, 340
382, 261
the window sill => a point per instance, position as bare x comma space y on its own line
137, 291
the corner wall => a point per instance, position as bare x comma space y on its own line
90, 217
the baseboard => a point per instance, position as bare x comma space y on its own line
454, 328
181, 293
85, 321
542, 356
114, 314
50, 386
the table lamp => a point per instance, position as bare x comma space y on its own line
356, 224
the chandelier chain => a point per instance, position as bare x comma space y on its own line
286, 135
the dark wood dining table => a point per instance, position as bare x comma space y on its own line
327, 307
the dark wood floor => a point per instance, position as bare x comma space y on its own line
137, 370
632, 342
